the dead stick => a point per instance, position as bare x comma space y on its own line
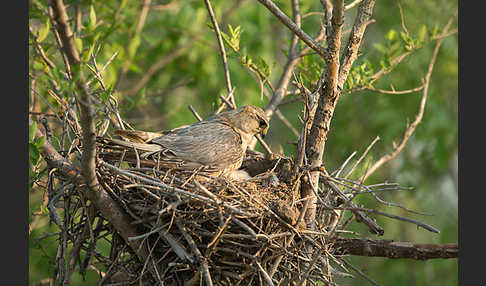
199, 257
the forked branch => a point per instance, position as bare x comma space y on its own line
418, 118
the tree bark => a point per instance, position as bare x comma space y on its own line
334, 75
394, 249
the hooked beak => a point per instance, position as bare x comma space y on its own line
264, 132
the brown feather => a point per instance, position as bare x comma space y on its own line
218, 143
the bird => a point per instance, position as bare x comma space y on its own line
216, 145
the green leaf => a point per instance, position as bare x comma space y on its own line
133, 45
391, 35
405, 37
394, 48
235, 37
380, 47
264, 67
39, 65
34, 154
349, 81
422, 33
434, 31
32, 129
78, 43
44, 31
38, 142
92, 18
105, 95
92, 46
248, 60
226, 39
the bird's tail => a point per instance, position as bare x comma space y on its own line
139, 146
138, 136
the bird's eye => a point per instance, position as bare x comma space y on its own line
263, 123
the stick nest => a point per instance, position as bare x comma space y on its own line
202, 228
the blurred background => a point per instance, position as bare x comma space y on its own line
170, 59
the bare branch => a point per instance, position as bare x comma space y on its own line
396, 92
410, 129
194, 112
362, 156
65, 33
221, 50
40, 50
416, 222
103, 202
352, 5
360, 273
289, 67
293, 27
200, 258
360, 215
95, 193
328, 98
394, 249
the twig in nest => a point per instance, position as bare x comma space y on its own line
199, 257
267, 277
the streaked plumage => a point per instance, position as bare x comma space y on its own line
218, 143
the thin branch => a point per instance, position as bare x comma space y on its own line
404, 27
199, 257
294, 28
290, 65
338, 171
352, 5
267, 277
360, 215
362, 156
40, 50
221, 50
65, 33
360, 273
410, 129
351, 51
396, 92
108, 207
416, 222
194, 112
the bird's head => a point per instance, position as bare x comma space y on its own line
249, 119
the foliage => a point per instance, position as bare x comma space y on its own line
257, 46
